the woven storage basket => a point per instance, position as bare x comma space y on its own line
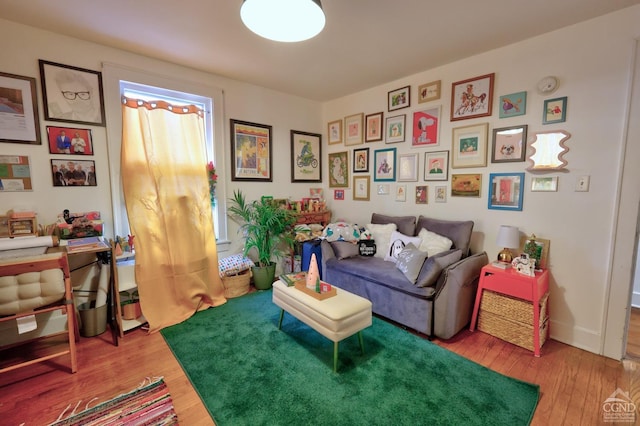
236, 285
511, 319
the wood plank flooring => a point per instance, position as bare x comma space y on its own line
574, 383
633, 334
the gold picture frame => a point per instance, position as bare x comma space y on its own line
429, 91
361, 185
334, 132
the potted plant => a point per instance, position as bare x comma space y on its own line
268, 228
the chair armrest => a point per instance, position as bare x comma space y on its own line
456, 291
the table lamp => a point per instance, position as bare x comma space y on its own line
508, 237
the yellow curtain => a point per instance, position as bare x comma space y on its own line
166, 193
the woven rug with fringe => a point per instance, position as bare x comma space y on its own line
149, 404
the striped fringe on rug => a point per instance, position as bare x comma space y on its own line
149, 404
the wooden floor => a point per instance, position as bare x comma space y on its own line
574, 383
633, 335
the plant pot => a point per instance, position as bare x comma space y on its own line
263, 276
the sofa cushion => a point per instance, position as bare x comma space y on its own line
405, 224
457, 231
433, 267
345, 249
410, 261
381, 235
433, 243
397, 243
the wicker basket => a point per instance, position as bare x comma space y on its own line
236, 285
511, 319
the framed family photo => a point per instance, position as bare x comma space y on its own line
509, 144
426, 127
385, 165
436, 165
334, 130
395, 128
72, 94
69, 140
353, 125
361, 160
339, 169
429, 91
399, 98
373, 127
251, 158
469, 146
306, 157
66, 172
505, 191
19, 122
472, 98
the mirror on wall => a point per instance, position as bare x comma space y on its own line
546, 151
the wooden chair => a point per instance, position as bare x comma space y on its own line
31, 286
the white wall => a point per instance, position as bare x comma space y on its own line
593, 62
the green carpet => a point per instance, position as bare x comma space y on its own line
248, 372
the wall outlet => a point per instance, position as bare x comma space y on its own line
582, 184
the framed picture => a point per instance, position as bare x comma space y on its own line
436, 165
469, 146
509, 144
401, 192
395, 128
544, 184
383, 189
466, 185
555, 110
338, 194
353, 129
19, 122
361, 188
68, 140
513, 105
536, 248
373, 127
408, 167
505, 191
251, 158
65, 172
472, 98
71, 94
399, 98
422, 194
429, 92
339, 169
306, 157
16, 173
334, 130
441, 194
385, 165
361, 160
426, 127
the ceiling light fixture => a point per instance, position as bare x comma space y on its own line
283, 20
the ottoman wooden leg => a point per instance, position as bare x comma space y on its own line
361, 341
281, 316
335, 356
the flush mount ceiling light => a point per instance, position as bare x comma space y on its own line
283, 20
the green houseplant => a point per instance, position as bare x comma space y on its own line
268, 228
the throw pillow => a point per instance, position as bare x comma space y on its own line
410, 262
433, 243
381, 235
397, 243
433, 267
344, 249
405, 224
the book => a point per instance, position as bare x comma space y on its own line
86, 244
501, 265
291, 278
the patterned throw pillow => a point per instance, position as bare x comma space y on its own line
397, 243
233, 264
410, 262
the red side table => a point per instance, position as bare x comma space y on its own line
512, 283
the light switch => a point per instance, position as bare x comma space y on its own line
582, 184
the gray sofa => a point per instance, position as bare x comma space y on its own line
442, 307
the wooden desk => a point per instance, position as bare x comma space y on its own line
511, 283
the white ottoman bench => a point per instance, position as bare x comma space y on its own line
336, 318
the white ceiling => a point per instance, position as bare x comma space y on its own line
365, 43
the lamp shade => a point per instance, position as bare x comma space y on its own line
508, 237
283, 20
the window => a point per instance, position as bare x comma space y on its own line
140, 86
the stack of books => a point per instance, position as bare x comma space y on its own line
291, 279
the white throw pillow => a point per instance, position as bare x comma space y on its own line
433, 243
381, 235
397, 243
